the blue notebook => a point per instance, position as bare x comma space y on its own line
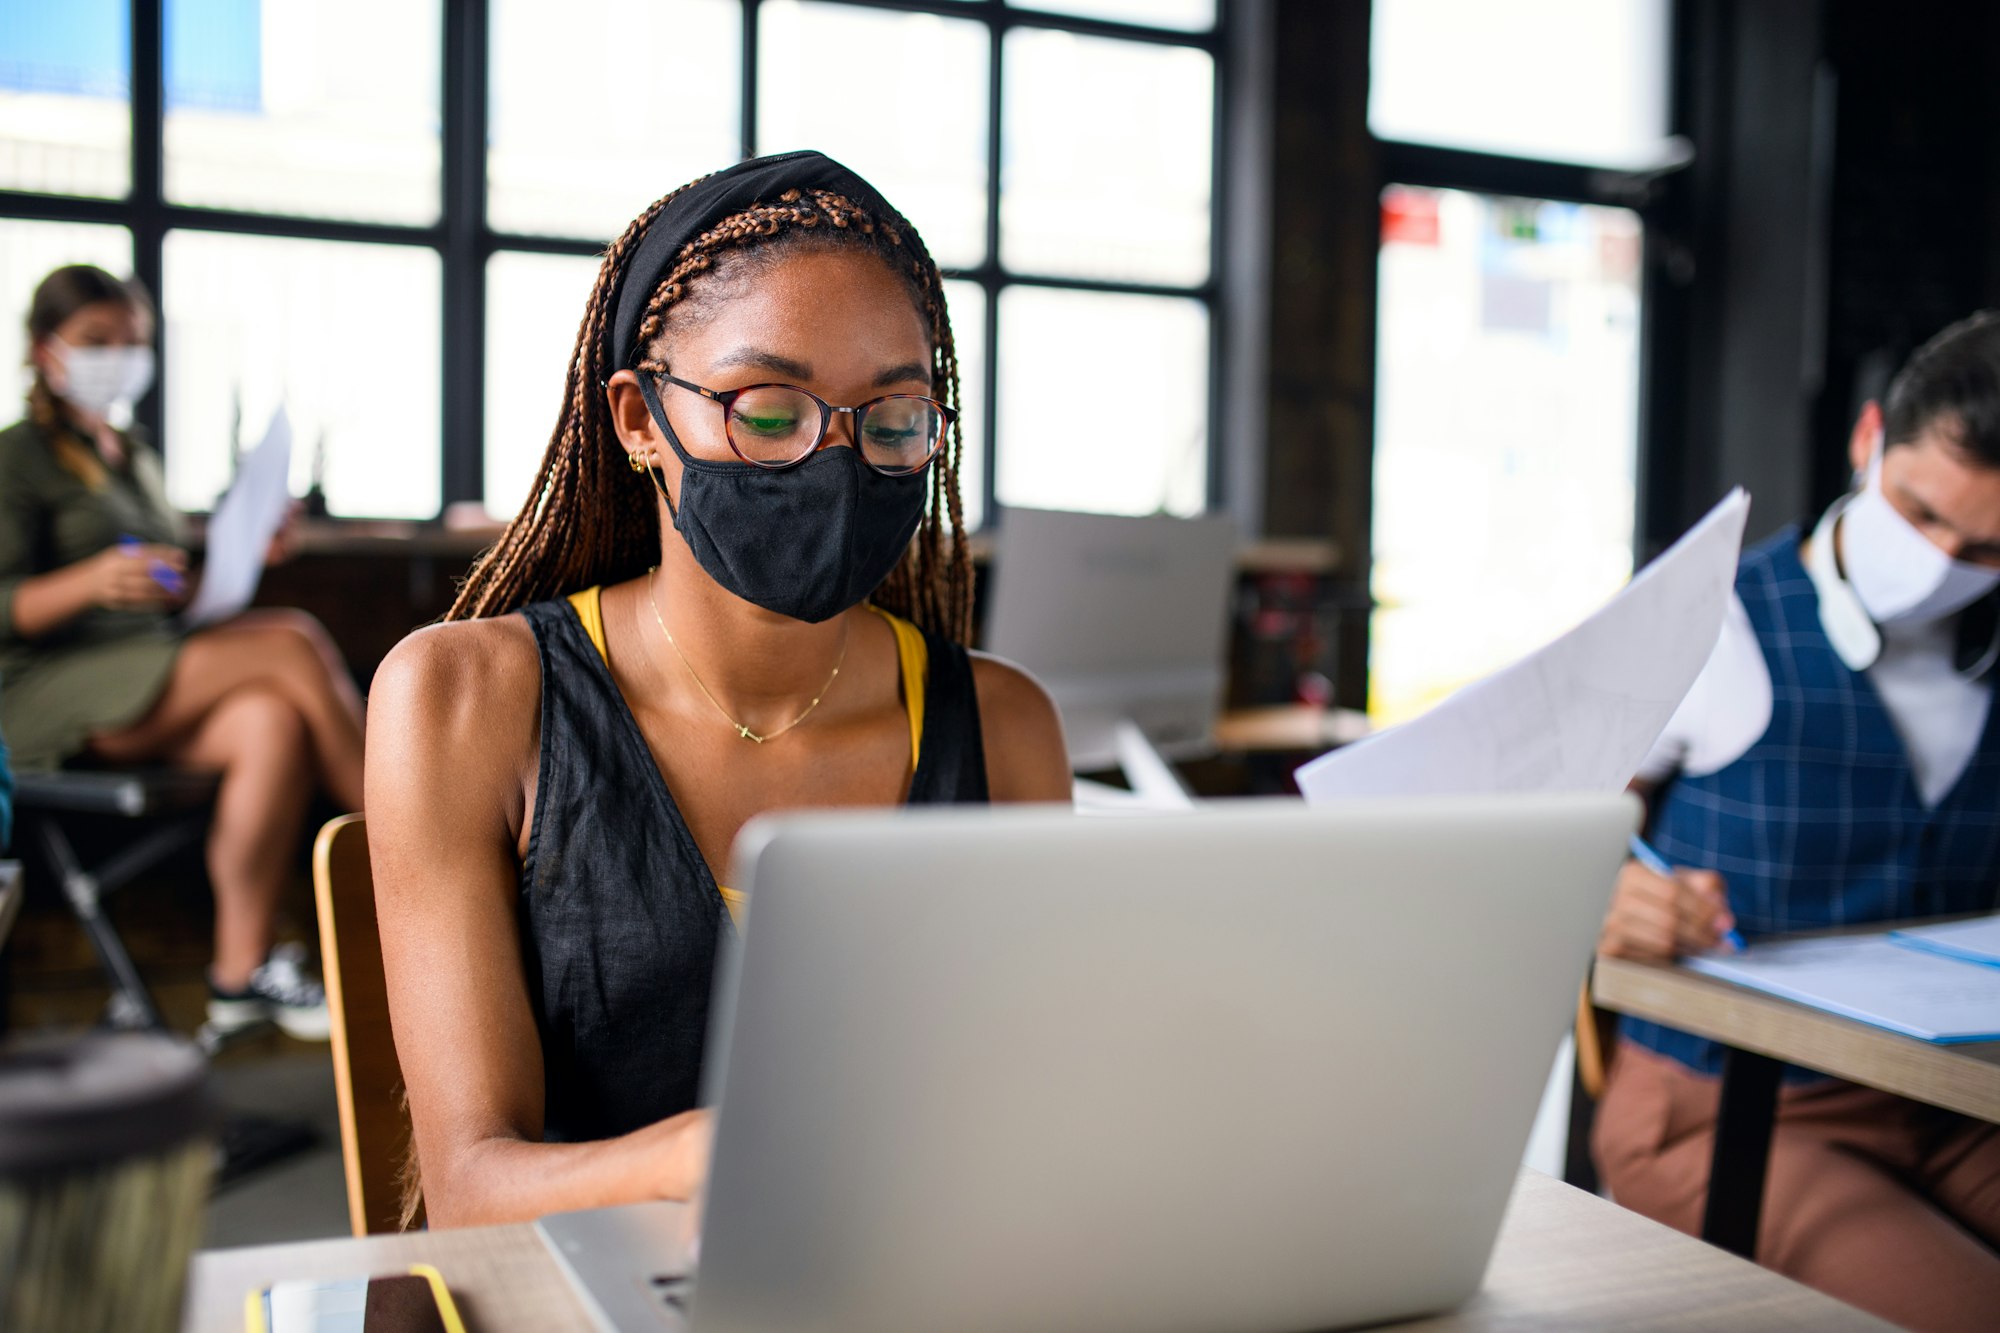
1872, 979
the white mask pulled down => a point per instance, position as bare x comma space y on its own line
104, 381
1899, 575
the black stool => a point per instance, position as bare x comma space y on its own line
178, 803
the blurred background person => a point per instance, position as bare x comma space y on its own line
93, 567
1838, 762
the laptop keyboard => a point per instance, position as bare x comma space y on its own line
672, 1290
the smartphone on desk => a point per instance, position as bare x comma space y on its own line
414, 1302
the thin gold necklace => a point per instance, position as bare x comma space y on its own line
652, 596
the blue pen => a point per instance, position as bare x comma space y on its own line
163, 573
1643, 853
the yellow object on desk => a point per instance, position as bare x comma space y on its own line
258, 1316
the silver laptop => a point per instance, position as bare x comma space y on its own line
1256, 1067
1122, 619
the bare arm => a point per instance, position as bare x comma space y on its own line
1026, 759
118, 578
452, 741
37, 602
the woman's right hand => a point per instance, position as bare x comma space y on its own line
1657, 919
686, 1140
132, 576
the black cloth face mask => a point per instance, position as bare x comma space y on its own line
807, 541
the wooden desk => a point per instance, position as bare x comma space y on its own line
1763, 1033
1564, 1259
1288, 727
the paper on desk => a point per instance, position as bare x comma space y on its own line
1970, 941
1870, 979
240, 531
1576, 716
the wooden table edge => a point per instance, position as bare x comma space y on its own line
1774, 1026
491, 1267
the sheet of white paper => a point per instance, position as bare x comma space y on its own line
1869, 978
1974, 941
1097, 799
1580, 714
240, 531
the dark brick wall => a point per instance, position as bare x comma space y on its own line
1916, 179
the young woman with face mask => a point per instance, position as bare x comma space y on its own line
741, 585
93, 669
1838, 762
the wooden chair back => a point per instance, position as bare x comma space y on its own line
374, 1119
1596, 1041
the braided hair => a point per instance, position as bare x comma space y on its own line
589, 520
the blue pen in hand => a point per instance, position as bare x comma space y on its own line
164, 574
1643, 853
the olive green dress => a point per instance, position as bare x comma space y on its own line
105, 669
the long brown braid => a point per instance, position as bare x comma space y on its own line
589, 520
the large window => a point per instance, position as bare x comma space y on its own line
386, 213
1506, 428
1509, 358
27, 251
1557, 80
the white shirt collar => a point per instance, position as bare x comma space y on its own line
1854, 635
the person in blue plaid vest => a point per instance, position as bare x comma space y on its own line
1838, 762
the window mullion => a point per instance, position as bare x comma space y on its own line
147, 217
463, 435
993, 283
750, 48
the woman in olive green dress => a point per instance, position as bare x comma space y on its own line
94, 670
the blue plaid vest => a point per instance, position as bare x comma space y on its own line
1820, 824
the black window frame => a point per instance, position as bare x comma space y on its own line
464, 241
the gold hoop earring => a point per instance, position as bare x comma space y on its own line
638, 463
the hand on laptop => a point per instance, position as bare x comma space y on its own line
690, 1138
1655, 919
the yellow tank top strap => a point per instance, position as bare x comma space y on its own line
589, 606
735, 901
914, 656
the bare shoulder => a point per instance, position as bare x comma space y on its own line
456, 674
1026, 759
454, 727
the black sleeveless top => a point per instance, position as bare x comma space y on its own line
620, 915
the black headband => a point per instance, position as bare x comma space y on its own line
759, 180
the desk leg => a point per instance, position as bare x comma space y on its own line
1742, 1151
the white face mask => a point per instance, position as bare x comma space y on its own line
101, 379
1900, 577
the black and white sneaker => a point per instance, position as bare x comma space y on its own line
279, 992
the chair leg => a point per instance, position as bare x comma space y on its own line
1579, 1168
155, 847
131, 1003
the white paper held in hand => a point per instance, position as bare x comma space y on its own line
1576, 716
241, 529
